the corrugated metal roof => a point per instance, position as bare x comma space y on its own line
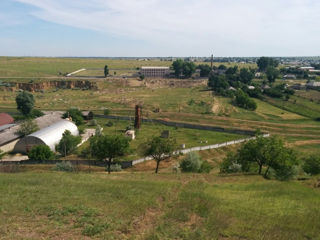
4, 127
5, 119
10, 134
50, 136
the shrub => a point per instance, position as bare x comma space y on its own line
35, 113
312, 165
28, 127
244, 101
205, 167
109, 124
230, 165
93, 122
64, 167
106, 112
115, 168
284, 173
191, 163
41, 153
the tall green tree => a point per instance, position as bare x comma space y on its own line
272, 74
107, 148
178, 67
265, 62
246, 75
106, 70
160, 149
188, 69
68, 143
205, 70
25, 102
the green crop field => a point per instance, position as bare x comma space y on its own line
50, 205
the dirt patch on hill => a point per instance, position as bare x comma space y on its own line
38, 86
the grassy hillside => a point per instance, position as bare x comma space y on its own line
52, 205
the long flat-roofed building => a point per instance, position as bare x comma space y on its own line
160, 72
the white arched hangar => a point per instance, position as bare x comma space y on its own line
49, 136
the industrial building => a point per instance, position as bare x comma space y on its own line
9, 133
153, 72
5, 119
49, 136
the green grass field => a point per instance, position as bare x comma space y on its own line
189, 137
49, 205
50, 67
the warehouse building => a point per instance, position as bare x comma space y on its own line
49, 136
153, 72
5, 119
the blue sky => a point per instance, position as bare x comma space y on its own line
159, 27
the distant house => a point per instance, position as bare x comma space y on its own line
153, 72
313, 84
251, 87
5, 119
289, 76
49, 136
307, 68
258, 75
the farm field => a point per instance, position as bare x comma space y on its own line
51, 67
47, 204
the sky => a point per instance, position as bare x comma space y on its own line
151, 28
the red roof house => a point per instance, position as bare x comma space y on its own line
5, 119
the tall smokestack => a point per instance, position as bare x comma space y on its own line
137, 120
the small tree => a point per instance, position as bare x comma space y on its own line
41, 153
160, 149
68, 143
107, 148
265, 62
25, 102
106, 70
75, 114
27, 127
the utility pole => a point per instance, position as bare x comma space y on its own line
211, 62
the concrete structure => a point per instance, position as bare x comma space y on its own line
5, 119
152, 72
49, 136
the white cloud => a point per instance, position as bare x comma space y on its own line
196, 27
